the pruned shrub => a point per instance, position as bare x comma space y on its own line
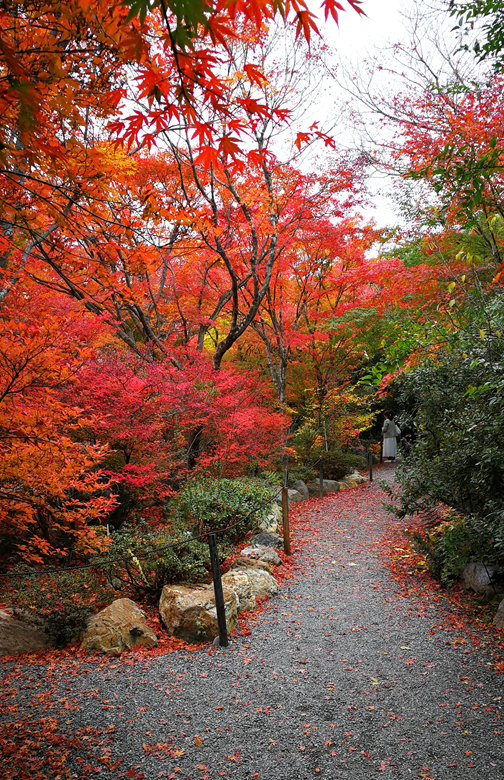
336, 463
234, 505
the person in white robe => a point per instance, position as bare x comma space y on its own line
390, 432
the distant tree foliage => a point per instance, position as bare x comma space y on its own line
491, 14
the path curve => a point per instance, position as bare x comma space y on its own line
341, 677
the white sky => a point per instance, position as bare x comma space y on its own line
382, 22
355, 38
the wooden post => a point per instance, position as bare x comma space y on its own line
285, 519
321, 477
370, 465
219, 596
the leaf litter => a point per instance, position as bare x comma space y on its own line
295, 694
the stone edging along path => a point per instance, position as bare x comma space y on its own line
345, 674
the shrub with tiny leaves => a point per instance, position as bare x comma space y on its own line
232, 505
61, 602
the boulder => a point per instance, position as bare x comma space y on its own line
481, 578
243, 562
357, 477
328, 486
499, 617
21, 635
302, 488
118, 627
190, 613
266, 554
273, 521
263, 584
294, 497
352, 480
268, 540
347, 483
239, 582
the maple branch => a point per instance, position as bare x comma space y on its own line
25, 256
166, 254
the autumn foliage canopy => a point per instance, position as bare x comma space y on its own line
174, 283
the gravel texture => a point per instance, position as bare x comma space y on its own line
342, 676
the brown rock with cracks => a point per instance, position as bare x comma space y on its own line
21, 636
190, 613
242, 562
118, 627
239, 582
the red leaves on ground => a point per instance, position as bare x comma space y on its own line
462, 609
36, 750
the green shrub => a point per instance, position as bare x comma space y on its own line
337, 463
310, 445
273, 478
298, 471
62, 602
215, 504
454, 543
458, 458
140, 561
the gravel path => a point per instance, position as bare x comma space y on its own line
342, 677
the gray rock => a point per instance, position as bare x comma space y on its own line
328, 486
499, 617
302, 488
294, 497
266, 554
263, 584
267, 540
481, 578
273, 522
